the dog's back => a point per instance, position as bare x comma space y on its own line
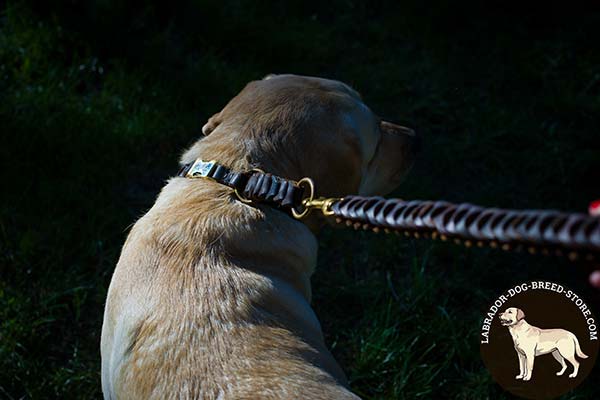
211, 313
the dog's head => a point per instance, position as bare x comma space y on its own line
297, 126
511, 316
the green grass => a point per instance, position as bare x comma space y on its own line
97, 101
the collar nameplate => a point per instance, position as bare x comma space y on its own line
201, 169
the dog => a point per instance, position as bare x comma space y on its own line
210, 298
531, 341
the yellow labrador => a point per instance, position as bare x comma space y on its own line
531, 341
210, 298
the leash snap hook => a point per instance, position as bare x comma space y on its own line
322, 203
311, 203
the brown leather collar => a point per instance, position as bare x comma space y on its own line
249, 186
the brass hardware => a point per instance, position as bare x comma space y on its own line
240, 197
311, 187
323, 203
311, 203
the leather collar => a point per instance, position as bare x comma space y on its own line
254, 186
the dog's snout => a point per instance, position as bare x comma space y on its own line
416, 143
409, 135
407, 131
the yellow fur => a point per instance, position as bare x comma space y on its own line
210, 298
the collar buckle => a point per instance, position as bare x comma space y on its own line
201, 169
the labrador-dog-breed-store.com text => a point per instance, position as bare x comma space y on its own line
210, 298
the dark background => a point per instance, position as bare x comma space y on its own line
98, 99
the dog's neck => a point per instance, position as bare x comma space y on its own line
284, 238
261, 239
238, 160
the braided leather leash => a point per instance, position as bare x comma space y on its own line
574, 235
546, 231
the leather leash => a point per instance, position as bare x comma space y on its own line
574, 235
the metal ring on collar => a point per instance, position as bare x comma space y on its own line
311, 187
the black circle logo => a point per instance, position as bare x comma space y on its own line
539, 340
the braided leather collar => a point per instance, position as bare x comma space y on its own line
249, 186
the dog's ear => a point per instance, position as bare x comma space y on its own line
211, 124
520, 314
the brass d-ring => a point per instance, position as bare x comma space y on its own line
311, 186
239, 195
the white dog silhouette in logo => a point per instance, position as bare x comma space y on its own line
531, 341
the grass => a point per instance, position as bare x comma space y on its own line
97, 100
